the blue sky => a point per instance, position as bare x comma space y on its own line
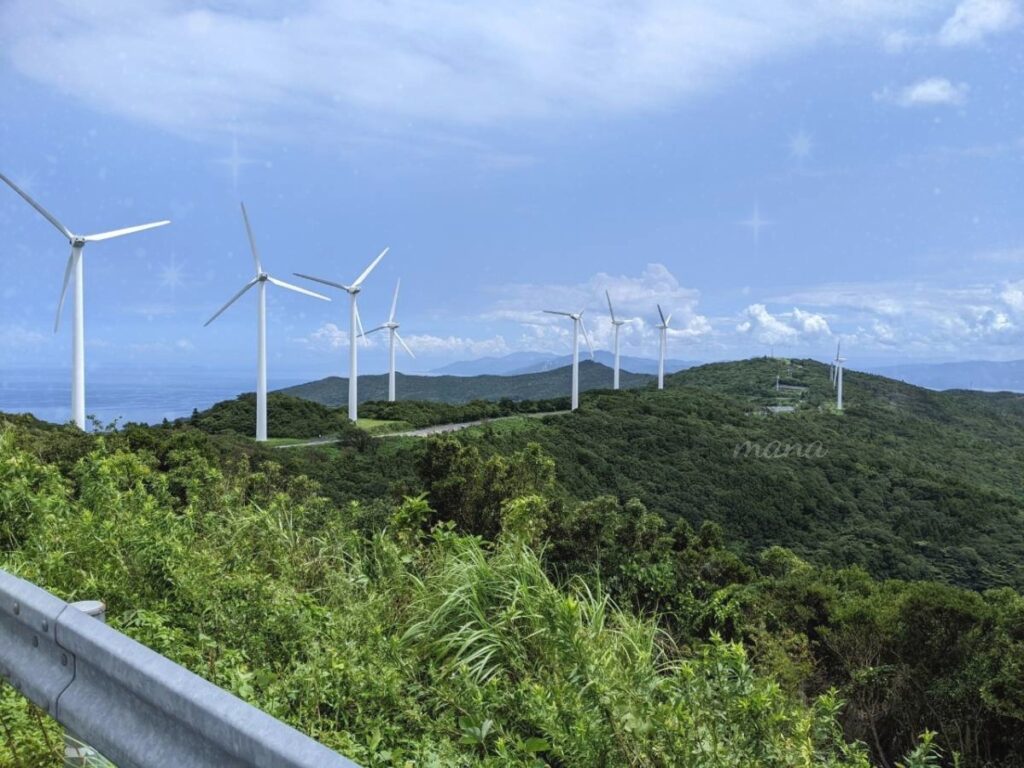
518, 156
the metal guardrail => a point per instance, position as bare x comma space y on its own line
134, 706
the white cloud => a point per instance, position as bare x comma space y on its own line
430, 345
933, 91
634, 298
1013, 296
796, 327
973, 20
925, 318
363, 66
330, 337
899, 41
18, 337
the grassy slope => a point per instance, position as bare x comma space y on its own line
333, 391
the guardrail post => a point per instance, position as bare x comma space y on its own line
78, 754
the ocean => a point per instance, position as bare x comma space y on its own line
146, 396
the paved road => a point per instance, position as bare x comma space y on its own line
310, 443
437, 429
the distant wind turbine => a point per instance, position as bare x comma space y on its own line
261, 279
616, 323
839, 382
354, 322
75, 266
577, 326
832, 368
663, 328
392, 326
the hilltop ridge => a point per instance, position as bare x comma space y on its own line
542, 385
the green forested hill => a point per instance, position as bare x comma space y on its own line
910, 483
286, 417
544, 385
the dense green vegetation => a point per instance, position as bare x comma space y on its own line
911, 484
544, 385
631, 584
286, 417
394, 644
419, 413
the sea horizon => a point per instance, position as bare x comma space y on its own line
127, 394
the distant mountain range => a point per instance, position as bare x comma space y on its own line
541, 385
496, 366
972, 374
536, 362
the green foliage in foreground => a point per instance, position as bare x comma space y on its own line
390, 644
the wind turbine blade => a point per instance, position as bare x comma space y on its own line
125, 231
373, 330
369, 269
46, 214
252, 241
321, 280
404, 345
394, 301
64, 288
563, 314
359, 325
290, 287
610, 310
662, 315
231, 301
668, 320
586, 337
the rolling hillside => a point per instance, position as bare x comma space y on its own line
333, 391
911, 483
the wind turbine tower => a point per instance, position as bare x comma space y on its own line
260, 279
663, 329
616, 324
354, 322
75, 267
832, 368
577, 326
392, 327
839, 382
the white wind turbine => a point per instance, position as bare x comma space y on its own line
75, 266
392, 326
615, 324
832, 368
839, 382
261, 279
354, 321
663, 329
577, 326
